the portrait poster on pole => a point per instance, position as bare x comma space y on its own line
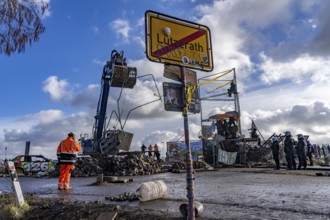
173, 98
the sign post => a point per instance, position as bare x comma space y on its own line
182, 43
17, 187
189, 164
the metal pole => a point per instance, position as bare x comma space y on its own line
5, 153
189, 164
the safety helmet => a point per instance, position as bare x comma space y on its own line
71, 134
287, 133
274, 139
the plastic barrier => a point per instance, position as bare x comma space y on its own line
152, 190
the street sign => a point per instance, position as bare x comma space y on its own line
16, 185
173, 98
179, 42
174, 72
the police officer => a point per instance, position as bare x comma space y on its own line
225, 128
289, 151
275, 149
310, 151
143, 148
300, 148
220, 127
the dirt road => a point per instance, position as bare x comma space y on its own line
225, 194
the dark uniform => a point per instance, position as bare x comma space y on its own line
225, 128
310, 151
220, 128
301, 152
143, 148
289, 152
275, 149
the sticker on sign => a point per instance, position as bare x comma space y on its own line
176, 41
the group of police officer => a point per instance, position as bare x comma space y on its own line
290, 148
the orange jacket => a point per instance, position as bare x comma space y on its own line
156, 147
66, 151
150, 148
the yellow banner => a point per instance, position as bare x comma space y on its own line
215, 78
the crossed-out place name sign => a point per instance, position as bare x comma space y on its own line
179, 42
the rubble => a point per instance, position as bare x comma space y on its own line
131, 164
197, 165
128, 164
86, 166
123, 197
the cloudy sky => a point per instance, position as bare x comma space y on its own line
279, 49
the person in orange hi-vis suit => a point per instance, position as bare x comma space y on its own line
66, 155
150, 150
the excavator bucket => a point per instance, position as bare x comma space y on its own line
114, 141
124, 76
125, 139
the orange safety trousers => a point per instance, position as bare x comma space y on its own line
65, 174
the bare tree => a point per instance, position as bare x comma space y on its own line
20, 23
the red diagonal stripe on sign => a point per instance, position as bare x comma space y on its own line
179, 43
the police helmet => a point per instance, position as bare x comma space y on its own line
274, 139
300, 136
287, 133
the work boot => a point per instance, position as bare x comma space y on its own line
60, 186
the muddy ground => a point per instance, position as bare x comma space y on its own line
55, 208
244, 193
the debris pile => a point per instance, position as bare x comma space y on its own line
258, 154
123, 197
130, 165
198, 165
86, 166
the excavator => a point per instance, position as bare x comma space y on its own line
115, 73
106, 141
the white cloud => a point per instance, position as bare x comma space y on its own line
44, 130
301, 69
45, 116
121, 27
56, 88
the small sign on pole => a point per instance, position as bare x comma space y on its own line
16, 185
174, 72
